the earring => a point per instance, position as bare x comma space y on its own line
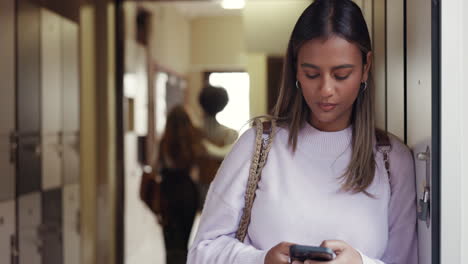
365, 86
298, 85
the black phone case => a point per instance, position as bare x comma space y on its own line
302, 253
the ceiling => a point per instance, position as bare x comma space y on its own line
193, 9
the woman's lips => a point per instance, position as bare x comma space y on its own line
327, 107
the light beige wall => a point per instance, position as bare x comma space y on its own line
268, 24
170, 39
257, 69
143, 236
217, 43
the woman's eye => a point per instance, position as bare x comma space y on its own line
312, 76
341, 77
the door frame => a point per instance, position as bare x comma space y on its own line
454, 127
436, 107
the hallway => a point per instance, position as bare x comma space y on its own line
88, 85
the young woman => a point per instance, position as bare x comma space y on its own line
324, 183
179, 152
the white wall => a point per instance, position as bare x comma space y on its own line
258, 71
170, 38
454, 168
217, 43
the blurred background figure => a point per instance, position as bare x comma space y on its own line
179, 151
218, 138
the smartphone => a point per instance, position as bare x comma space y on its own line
302, 253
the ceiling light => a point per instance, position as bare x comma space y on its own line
233, 4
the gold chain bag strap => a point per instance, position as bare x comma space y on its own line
263, 141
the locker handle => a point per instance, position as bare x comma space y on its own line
13, 147
14, 249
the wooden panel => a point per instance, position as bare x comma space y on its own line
51, 227
380, 63
51, 162
51, 69
71, 224
28, 58
71, 84
7, 230
29, 221
395, 68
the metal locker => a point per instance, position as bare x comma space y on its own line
70, 65
71, 224
7, 232
7, 169
419, 112
28, 97
29, 164
7, 99
29, 220
28, 59
51, 162
7, 66
71, 158
51, 73
50, 229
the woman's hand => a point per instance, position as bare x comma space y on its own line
278, 254
345, 254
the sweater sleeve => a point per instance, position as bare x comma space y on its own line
215, 241
402, 247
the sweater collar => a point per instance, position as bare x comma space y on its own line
317, 141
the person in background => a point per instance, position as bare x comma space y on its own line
218, 139
179, 152
327, 181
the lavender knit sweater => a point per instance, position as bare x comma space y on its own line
298, 200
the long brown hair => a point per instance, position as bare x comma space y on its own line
322, 19
181, 141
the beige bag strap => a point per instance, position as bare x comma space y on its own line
385, 147
263, 141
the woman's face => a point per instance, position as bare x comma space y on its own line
330, 72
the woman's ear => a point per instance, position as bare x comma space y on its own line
367, 66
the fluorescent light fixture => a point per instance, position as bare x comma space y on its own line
233, 4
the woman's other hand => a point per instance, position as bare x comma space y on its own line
278, 254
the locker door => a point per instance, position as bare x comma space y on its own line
71, 158
29, 220
28, 58
29, 164
7, 231
51, 90
71, 99
420, 118
70, 63
51, 227
7, 99
28, 97
71, 224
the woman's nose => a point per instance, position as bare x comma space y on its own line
327, 88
